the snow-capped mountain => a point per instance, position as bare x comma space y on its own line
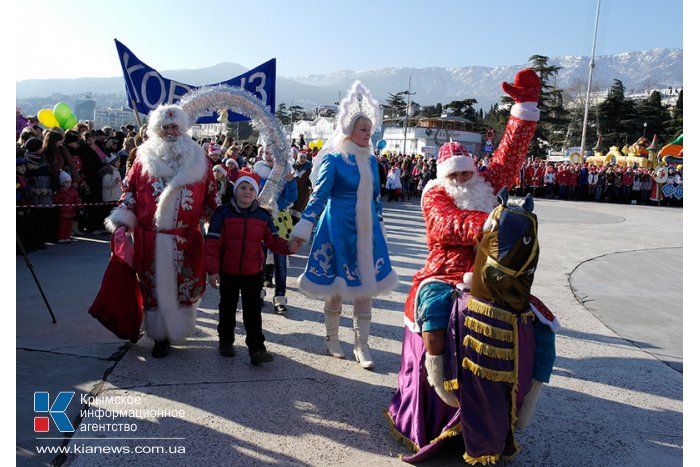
638, 71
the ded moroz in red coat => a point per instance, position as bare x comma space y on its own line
163, 202
451, 231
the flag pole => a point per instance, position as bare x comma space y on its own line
136, 113
588, 89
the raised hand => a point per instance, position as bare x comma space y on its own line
525, 88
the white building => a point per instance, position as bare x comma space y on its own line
319, 128
429, 133
114, 118
207, 129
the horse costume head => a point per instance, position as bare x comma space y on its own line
507, 255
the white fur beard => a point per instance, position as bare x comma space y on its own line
166, 155
474, 195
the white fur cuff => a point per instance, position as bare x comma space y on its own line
527, 111
120, 216
302, 230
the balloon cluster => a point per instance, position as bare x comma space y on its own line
318, 144
61, 116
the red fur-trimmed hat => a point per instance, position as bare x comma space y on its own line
453, 157
246, 175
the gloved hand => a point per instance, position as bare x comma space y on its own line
525, 88
436, 378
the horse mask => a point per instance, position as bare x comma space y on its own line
507, 254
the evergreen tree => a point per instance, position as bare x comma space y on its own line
283, 114
397, 105
464, 108
554, 118
673, 123
617, 118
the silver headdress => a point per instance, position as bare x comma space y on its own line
357, 103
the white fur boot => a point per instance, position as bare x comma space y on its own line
332, 325
361, 349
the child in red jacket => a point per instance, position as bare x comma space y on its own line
233, 252
69, 202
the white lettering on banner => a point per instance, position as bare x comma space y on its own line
173, 90
260, 89
130, 70
144, 87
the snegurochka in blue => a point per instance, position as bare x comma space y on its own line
349, 255
349, 258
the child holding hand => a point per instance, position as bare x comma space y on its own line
234, 259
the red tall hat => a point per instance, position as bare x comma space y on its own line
453, 157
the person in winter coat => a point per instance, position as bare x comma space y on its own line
111, 179
393, 185
167, 193
38, 176
68, 199
234, 260
302, 174
276, 264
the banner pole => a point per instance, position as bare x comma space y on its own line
136, 114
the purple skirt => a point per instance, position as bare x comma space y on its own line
418, 417
489, 361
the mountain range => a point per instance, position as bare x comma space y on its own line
638, 71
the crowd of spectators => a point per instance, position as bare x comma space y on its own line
606, 184
83, 165
93, 162
404, 177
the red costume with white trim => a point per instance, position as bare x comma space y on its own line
451, 231
167, 192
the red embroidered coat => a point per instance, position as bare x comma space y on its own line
452, 233
193, 203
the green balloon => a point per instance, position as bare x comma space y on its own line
62, 111
69, 122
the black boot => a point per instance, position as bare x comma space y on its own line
161, 348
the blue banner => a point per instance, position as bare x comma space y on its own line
146, 89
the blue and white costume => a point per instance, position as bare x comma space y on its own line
349, 255
349, 258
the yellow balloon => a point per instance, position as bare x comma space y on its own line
319, 143
47, 118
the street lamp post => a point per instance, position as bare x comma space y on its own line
645, 130
408, 108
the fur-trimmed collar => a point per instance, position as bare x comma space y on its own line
348, 147
181, 162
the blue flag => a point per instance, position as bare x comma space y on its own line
146, 89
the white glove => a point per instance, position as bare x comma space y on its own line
436, 378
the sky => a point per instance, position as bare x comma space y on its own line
313, 36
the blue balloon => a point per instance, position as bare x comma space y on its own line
381, 144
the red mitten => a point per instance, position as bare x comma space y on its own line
525, 88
